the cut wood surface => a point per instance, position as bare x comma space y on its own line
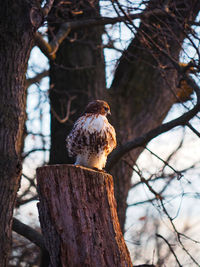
78, 216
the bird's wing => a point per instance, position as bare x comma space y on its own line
111, 138
76, 139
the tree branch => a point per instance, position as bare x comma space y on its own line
36, 78
170, 247
143, 140
166, 163
193, 129
47, 7
44, 46
49, 49
29, 233
68, 112
20, 202
25, 154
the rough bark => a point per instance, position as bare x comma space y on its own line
78, 216
78, 70
16, 40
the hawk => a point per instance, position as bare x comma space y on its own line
92, 137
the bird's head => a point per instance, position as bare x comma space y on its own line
98, 107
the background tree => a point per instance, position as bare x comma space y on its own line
17, 37
148, 79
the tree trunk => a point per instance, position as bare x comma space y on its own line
16, 41
78, 217
78, 71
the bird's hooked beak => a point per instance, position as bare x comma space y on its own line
109, 113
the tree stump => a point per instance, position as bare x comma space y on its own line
78, 217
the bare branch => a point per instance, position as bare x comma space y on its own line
170, 247
178, 233
68, 112
37, 78
193, 129
145, 265
44, 46
179, 174
47, 7
139, 203
29, 233
20, 202
143, 140
62, 34
25, 154
49, 49
174, 153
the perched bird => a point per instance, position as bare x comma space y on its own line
92, 137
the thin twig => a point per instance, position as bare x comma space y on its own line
179, 174
25, 154
68, 112
177, 233
170, 247
193, 129
174, 152
146, 182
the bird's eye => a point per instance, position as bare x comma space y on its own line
105, 108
